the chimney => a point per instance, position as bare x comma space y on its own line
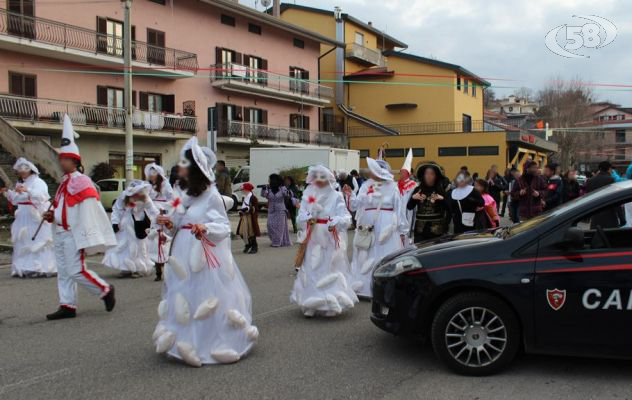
276, 8
340, 55
370, 23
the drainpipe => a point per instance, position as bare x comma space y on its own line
340, 56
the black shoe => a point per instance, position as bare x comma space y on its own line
253, 250
158, 268
247, 248
109, 300
62, 313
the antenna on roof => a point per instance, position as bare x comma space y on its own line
266, 3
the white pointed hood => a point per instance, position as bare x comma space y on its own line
408, 163
69, 148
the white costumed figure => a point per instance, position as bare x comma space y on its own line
406, 185
162, 194
31, 258
81, 227
132, 214
381, 224
321, 285
205, 313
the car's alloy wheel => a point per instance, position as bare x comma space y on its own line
476, 337
475, 333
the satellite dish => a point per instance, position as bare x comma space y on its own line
266, 3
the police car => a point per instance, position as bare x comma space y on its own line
560, 283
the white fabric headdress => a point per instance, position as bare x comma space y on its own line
379, 168
200, 158
136, 186
318, 173
408, 163
23, 162
157, 169
69, 148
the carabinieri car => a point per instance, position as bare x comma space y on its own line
560, 283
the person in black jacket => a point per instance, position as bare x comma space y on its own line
463, 203
571, 189
611, 217
497, 184
554, 187
429, 201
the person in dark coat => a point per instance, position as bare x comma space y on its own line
248, 227
610, 217
571, 189
554, 187
293, 200
496, 183
464, 203
529, 191
428, 198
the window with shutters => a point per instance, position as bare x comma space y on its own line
155, 47
254, 115
256, 29
465, 86
255, 69
458, 82
22, 84
227, 20
298, 78
224, 58
113, 97
155, 102
20, 22
298, 121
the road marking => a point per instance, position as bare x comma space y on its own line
35, 379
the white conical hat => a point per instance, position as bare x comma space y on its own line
408, 163
68, 147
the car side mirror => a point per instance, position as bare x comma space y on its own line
573, 239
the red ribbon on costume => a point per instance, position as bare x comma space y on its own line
405, 185
334, 232
160, 243
207, 247
131, 204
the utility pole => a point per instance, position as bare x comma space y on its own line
127, 56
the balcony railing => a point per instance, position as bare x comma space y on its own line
365, 55
281, 135
261, 79
77, 38
83, 114
428, 127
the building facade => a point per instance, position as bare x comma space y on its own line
211, 68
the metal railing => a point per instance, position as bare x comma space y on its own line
84, 114
282, 134
365, 54
427, 127
77, 38
262, 78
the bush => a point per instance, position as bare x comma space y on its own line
101, 171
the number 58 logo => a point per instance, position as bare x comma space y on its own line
588, 35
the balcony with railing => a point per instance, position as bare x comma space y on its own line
428, 128
36, 113
240, 78
247, 133
364, 55
54, 39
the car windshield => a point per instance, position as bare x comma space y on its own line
602, 193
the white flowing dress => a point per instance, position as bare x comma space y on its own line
321, 285
130, 253
31, 257
158, 246
378, 204
205, 313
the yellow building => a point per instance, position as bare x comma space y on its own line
384, 95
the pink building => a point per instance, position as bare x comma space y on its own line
208, 67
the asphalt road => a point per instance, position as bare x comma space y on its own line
101, 355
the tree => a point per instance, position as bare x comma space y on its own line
524, 93
563, 104
101, 171
489, 97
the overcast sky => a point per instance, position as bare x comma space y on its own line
504, 38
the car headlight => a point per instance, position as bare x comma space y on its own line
397, 266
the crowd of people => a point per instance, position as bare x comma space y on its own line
181, 226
